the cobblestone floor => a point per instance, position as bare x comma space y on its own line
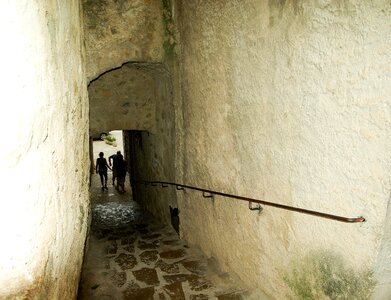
131, 256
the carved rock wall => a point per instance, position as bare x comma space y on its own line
121, 31
44, 154
288, 101
154, 151
124, 98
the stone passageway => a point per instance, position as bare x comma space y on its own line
131, 256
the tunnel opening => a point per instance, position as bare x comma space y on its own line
111, 147
138, 99
131, 254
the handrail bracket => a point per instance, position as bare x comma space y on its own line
258, 207
207, 195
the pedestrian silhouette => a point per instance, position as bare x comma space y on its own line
101, 168
114, 158
121, 172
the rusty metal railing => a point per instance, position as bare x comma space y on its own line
210, 193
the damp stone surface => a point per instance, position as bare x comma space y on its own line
132, 256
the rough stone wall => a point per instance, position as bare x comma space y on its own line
120, 31
44, 152
155, 151
158, 154
143, 94
123, 99
289, 101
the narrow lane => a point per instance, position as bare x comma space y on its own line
131, 256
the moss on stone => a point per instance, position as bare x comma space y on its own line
325, 274
168, 25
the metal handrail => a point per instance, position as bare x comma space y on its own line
210, 193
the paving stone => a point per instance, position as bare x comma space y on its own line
148, 246
161, 296
167, 268
195, 266
149, 257
126, 232
147, 275
118, 278
133, 285
128, 240
126, 261
99, 234
112, 248
171, 242
156, 245
230, 296
139, 293
140, 226
199, 297
175, 291
176, 278
106, 297
198, 283
153, 236
129, 249
106, 232
173, 254
106, 263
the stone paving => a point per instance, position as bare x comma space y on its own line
131, 256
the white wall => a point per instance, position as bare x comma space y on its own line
289, 101
44, 149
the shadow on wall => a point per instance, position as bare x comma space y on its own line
174, 212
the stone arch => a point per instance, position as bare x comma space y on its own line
130, 97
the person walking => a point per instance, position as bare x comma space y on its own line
114, 164
101, 168
121, 173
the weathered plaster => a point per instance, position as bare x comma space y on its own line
44, 152
286, 101
155, 151
282, 100
124, 98
121, 31
158, 153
